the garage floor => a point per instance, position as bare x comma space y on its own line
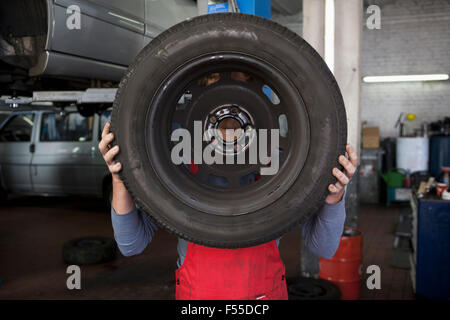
33, 229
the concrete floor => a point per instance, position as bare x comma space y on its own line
33, 230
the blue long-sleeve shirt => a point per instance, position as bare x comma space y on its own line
134, 230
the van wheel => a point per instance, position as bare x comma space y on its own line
229, 71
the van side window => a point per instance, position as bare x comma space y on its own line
66, 127
104, 118
18, 128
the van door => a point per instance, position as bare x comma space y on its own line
62, 160
16, 146
163, 14
110, 30
100, 168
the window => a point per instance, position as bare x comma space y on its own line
3, 116
104, 118
66, 127
18, 128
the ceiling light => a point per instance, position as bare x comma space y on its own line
413, 77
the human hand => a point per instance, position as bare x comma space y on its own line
350, 164
109, 153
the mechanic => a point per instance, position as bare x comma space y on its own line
227, 274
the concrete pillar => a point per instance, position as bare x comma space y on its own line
314, 24
347, 70
202, 6
314, 34
347, 62
347, 48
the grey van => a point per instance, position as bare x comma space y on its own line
37, 42
53, 152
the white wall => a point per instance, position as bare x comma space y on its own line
414, 39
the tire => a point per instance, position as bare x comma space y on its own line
312, 289
89, 250
145, 112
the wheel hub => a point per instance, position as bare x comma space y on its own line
229, 128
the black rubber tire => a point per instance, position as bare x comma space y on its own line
272, 44
89, 250
312, 289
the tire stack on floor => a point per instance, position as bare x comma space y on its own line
89, 250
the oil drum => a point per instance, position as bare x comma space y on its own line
344, 268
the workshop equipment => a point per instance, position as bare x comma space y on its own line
412, 153
344, 268
215, 6
398, 188
371, 138
393, 178
368, 178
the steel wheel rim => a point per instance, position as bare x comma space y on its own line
189, 188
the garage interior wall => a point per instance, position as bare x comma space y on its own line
414, 39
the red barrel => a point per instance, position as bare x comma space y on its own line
344, 268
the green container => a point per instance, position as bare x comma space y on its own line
393, 178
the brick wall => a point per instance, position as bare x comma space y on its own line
414, 39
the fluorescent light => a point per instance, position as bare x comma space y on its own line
329, 34
413, 77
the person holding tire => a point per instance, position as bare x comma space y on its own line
255, 272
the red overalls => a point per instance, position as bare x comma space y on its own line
231, 274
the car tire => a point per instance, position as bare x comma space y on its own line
89, 250
142, 116
312, 289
